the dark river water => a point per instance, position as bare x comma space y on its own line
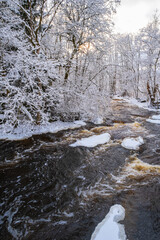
49, 190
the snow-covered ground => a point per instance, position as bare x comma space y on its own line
132, 143
154, 119
109, 228
92, 141
26, 131
133, 101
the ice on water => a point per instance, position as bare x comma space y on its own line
154, 119
132, 143
109, 228
92, 141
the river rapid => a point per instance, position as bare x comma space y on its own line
50, 190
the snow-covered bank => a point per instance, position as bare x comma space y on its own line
92, 141
154, 119
133, 101
132, 143
109, 228
144, 105
26, 131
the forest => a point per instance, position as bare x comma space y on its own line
61, 60
79, 122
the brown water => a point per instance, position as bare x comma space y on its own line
49, 190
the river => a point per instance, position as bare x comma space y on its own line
50, 190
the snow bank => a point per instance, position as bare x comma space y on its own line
26, 131
92, 141
132, 143
133, 101
109, 228
154, 119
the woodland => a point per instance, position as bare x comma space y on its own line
62, 60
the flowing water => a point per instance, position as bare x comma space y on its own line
49, 190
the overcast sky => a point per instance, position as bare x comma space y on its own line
134, 14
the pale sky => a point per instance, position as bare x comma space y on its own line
134, 14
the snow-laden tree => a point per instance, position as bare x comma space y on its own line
137, 61
27, 91
150, 44
38, 16
82, 26
128, 53
81, 39
54, 59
